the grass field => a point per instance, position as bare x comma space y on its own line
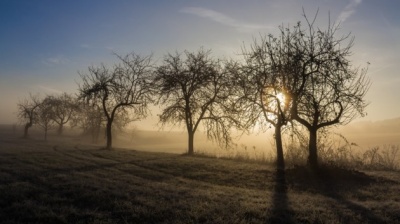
65, 181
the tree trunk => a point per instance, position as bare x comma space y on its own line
109, 135
60, 129
280, 162
45, 134
190, 143
312, 149
27, 126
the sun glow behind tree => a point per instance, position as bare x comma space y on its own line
274, 102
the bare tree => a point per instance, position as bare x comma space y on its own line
90, 118
333, 90
309, 68
261, 90
194, 89
125, 86
26, 112
64, 108
266, 82
45, 115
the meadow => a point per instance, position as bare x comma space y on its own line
68, 180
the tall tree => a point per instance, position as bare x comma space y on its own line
333, 92
267, 80
26, 112
126, 86
263, 97
194, 89
321, 83
311, 70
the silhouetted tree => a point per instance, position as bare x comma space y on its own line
262, 88
26, 112
194, 89
90, 118
332, 89
310, 69
125, 86
45, 115
64, 107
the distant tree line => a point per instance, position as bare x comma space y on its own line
302, 77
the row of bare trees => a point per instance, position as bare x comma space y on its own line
302, 77
56, 111
47, 113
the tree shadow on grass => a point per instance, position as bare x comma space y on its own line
281, 211
335, 183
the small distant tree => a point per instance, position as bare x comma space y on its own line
90, 118
27, 112
125, 86
64, 108
194, 89
45, 116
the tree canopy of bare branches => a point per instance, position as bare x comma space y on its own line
126, 86
194, 89
265, 81
332, 90
310, 68
90, 118
64, 108
302, 75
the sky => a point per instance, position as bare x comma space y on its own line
45, 43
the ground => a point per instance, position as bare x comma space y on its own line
66, 181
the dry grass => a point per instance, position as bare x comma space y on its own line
66, 182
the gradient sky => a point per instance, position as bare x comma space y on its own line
44, 43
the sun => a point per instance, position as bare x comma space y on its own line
275, 102
281, 98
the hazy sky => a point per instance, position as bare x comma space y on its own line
44, 43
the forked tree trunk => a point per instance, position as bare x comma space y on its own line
190, 143
312, 149
280, 161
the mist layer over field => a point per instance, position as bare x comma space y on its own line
354, 139
363, 135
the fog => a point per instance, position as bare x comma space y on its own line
370, 134
364, 135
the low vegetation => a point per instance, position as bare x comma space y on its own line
335, 150
65, 180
